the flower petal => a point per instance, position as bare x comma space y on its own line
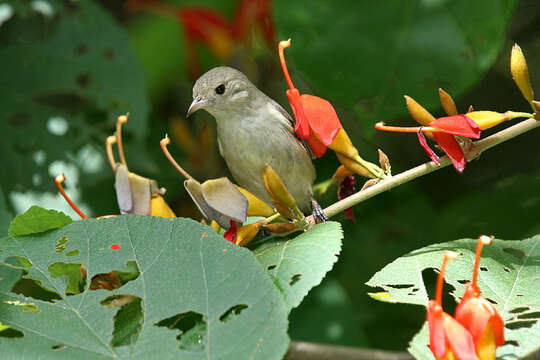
301, 126
451, 147
473, 316
435, 319
431, 153
231, 232
459, 339
322, 118
317, 147
460, 125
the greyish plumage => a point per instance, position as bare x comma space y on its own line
253, 130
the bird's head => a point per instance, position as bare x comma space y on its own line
221, 91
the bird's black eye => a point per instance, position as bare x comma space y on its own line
220, 89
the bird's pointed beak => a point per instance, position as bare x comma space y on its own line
197, 103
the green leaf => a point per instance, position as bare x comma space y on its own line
374, 52
36, 220
508, 277
65, 80
189, 278
300, 263
5, 214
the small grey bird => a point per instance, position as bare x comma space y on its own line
254, 130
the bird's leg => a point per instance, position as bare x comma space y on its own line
318, 212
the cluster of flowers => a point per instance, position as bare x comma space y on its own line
476, 329
452, 132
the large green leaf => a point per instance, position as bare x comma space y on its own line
370, 53
508, 277
300, 263
189, 279
65, 80
36, 220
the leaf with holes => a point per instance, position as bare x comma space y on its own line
169, 289
36, 220
69, 74
300, 263
509, 277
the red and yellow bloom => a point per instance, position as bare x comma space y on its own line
448, 339
478, 315
317, 123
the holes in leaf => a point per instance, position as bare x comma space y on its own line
192, 327
271, 267
81, 49
116, 278
83, 80
108, 54
483, 268
11, 333
61, 244
58, 347
233, 310
513, 325
511, 342
506, 269
519, 310
463, 282
429, 275
75, 274
61, 100
25, 306
32, 288
491, 301
128, 319
520, 254
400, 286
530, 315
19, 120
294, 279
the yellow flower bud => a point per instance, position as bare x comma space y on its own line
275, 187
281, 228
215, 226
487, 119
342, 145
158, 207
485, 347
418, 113
246, 233
447, 103
256, 206
354, 166
520, 73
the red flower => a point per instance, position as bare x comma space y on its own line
442, 130
231, 232
316, 119
448, 339
478, 315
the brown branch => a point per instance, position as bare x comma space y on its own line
472, 153
300, 350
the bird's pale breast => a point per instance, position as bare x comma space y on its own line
247, 143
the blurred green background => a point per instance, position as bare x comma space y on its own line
69, 68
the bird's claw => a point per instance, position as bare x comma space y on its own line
318, 212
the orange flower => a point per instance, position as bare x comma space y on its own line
478, 315
448, 339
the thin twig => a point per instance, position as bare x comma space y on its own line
476, 149
300, 350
